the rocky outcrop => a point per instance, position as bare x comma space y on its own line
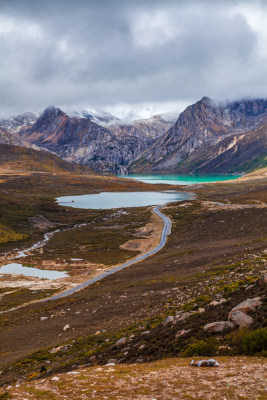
236, 317
248, 305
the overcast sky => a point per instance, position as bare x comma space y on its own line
130, 57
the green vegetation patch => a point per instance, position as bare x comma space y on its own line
21, 296
7, 234
255, 342
99, 241
206, 348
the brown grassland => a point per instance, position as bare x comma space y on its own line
214, 251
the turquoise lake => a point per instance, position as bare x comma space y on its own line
108, 200
187, 179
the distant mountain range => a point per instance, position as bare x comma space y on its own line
206, 137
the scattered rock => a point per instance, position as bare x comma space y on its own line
214, 303
55, 349
262, 281
168, 320
240, 319
223, 348
43, 318
145, 334
121, 341
112, 361
219, 326
142, 347
182, 333
201, 310
184, 316
97, 333
55, 378
247, 305
66, 327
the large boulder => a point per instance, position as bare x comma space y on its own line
217, 327
248, 305
240, 319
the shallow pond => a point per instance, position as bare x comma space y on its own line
19, 269
107, 200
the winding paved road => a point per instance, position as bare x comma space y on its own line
165, 232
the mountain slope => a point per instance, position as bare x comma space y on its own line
82, 141
16, 122
201, 126
236, 153
15, 157
8, 138
99, 117
146, 129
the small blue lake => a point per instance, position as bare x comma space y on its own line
19, 269
107, 200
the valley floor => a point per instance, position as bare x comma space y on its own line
212, 261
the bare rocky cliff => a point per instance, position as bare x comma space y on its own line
203, 125
145, 129
82, 141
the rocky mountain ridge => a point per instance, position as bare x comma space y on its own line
203, 125
149, 129
16, 122
81, 140
206, 137
10, 139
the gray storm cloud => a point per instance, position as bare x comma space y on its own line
111, 53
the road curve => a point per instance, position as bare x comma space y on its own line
165, 232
